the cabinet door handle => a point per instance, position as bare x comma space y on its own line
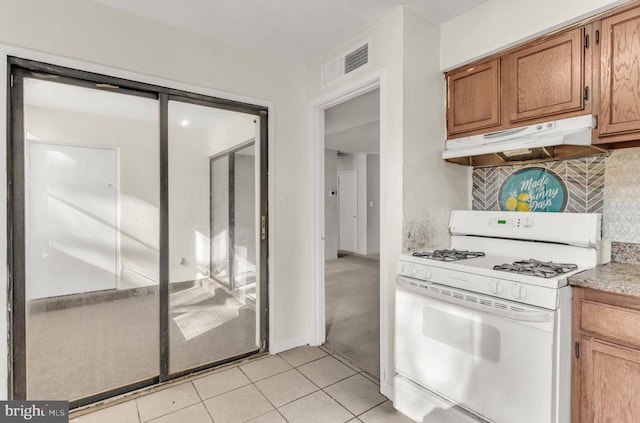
577, 349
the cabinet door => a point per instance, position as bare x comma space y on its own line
546, 79
620, 74
611, 383
473, 98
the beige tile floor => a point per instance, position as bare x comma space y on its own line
303, 385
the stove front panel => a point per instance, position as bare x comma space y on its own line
498, 284
497, 367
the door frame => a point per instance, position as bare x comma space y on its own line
316, 314
141, 85
230, 154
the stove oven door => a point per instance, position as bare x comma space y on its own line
492, 357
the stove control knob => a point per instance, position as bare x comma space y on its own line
527, 222
519, 292
412, 270
496, 287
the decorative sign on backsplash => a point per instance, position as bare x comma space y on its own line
534, 189
575, 185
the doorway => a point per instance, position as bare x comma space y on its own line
111, 278
352, 262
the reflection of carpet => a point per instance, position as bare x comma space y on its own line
196, 322
192, 295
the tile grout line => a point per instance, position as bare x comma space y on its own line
323, 389
319, 388
262, 393
135, 400
202, 401
345, 407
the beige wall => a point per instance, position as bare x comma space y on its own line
93, 34
432, 186
386, 56
419, 189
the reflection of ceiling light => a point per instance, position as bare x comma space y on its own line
185, 122
30, 136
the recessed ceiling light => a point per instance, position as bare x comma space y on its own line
184, 122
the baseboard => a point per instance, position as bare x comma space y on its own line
278, 347
386, 389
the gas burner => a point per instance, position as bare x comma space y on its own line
449, 255
531, 267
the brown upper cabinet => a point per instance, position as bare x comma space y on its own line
619, 109
547, 78
473, 95
550, 78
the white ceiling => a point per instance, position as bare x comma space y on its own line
299, 31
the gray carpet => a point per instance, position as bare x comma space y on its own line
352, 307
86, 348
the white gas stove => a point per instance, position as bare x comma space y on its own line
490, 318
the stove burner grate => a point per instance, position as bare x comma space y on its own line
449, 255
531, 267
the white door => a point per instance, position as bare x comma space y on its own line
71, 228
348, 210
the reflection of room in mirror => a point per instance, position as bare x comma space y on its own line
212, 226
92, 229
93, 202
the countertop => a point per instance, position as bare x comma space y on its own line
616, 277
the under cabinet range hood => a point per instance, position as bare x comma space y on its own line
570, 137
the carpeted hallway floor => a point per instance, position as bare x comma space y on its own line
352, 304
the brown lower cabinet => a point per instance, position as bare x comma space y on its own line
606, 357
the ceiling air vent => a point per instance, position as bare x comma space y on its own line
356, 58
332, 71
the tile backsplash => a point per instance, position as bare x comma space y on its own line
600, 184
621, 214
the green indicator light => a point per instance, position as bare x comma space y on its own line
502, 222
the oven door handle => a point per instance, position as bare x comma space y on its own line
422, 288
